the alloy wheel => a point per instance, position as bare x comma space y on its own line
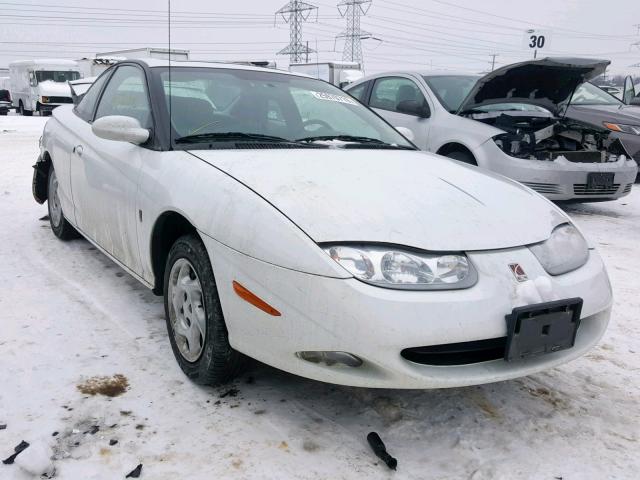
186, 310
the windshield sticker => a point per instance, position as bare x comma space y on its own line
334, 98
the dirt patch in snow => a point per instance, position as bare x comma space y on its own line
108, 386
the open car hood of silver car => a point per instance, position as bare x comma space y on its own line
547, 83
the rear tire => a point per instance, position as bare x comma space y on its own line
461, 156
195, 323
59, 225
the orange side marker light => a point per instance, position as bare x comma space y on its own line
254, 300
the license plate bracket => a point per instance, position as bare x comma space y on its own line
542, 328
600, 180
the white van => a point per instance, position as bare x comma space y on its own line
41, 85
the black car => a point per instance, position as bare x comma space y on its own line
5, 102
593, 105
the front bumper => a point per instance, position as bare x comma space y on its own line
376, 324
49, 107
559, 179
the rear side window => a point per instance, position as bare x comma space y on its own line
87, 105
360, 91
388, 92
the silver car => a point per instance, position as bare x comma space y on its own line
511, 121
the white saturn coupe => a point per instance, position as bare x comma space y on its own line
511, 121
283, 220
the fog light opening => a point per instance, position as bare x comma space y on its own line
331, 358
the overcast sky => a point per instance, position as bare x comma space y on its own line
443, 34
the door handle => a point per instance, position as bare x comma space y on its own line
78, 150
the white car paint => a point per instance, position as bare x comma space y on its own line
554, 179
262, 213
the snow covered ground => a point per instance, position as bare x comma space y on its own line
68, 315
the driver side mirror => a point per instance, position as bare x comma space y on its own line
120, 129
414, 107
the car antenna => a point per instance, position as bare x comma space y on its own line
169, 35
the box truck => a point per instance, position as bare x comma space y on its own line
93, 67
338, 73
41, 85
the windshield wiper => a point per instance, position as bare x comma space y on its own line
353, 138
231, 136
346, 138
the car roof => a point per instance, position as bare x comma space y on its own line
159, 62
415, 73
426, 73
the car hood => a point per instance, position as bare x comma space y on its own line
408, 198
547, 83
627, 114
50, 88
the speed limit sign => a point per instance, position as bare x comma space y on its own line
535, 40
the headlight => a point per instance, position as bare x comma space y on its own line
565, 251
619, 127
400, 268
44, 100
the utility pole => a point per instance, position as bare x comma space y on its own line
295, 13
353, 35
493, 60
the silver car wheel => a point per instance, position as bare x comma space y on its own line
186, 310
55, 210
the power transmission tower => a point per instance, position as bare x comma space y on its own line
295, 13
353, 35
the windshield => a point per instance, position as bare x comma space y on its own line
208, 101
589, 94
451, 90
56, 76
4, 96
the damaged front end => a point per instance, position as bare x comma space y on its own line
39, 184
548, 138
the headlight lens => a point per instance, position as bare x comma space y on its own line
565, 251
394, 267
619, 127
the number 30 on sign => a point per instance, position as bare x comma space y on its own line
536, 39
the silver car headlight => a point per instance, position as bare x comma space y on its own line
404, 268
564, 251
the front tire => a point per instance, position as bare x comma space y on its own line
59, 225
195, 323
